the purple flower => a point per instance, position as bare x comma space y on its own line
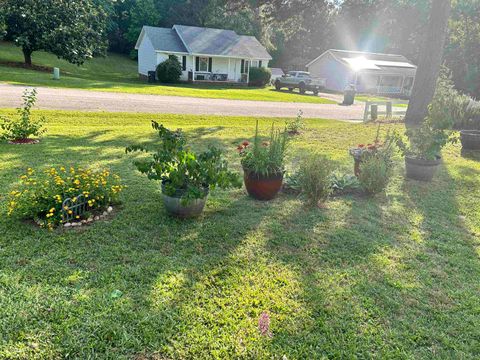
264, 324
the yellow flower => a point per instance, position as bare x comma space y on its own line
52, 210
62, 169
70, 212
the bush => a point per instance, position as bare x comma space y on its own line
184, 173
293, 126
375, 174
40, 196
24, 126
259, 76
314, 177
170, 70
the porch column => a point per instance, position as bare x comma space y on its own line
248, 71
228, 71
193, 68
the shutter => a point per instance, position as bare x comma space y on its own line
242, 67
209, 64
197, 63
184, 63
260, 63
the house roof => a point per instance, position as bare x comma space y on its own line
360, 60
162, 39
204, 41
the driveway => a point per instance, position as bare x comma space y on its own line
86, 100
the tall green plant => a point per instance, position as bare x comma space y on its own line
265, 158
24, 126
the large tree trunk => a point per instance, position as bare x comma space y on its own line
429, 65
27, 54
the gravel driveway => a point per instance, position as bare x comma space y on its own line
86, 100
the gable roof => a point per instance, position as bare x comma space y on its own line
162, 39
204, 41
360, 60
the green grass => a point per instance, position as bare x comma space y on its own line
118, 73
397, 102
389, 277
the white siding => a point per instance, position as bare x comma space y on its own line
146, 56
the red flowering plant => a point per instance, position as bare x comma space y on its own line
265, 158
361, 152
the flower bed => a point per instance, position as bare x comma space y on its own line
44, 196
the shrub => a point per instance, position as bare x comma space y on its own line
314, 176
40, 195
293, 126
343, 184
24, 126
184, 173
375, 174
259, 76
170, 70
264, 158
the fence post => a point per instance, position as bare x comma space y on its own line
365, 113
374, 112
389, 109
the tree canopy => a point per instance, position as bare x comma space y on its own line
74, 30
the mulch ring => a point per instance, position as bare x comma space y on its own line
18, 64
24, 141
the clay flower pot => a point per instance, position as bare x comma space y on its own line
262, 187
420, 169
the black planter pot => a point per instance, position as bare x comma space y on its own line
420, 169
470, 139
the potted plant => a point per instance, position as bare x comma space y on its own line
186, 177
469, 125
20, 130
263, 164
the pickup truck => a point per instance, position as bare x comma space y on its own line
301, 80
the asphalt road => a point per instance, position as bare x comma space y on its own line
85, 100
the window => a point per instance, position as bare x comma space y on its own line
203, 64
184, 63
260, 63
254, 63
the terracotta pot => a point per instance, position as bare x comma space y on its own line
176, 207
263, 187
470, 139
419, 169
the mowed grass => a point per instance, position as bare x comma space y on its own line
391, 277
117, 73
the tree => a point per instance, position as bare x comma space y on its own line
430, 60
73, 30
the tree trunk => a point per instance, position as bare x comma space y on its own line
27, 54
429, 65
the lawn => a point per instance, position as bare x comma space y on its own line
394, 276
118, 73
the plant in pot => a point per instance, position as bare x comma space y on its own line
263, 164
469, 125
425, 142
20, 130
186, 177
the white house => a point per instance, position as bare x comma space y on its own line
385, 74
205, 54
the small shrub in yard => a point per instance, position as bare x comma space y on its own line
259, 76
20, 130
170, 70
343, 184
314, 176
375, 174
40, 195
294, 126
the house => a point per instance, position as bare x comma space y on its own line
205, 54
383, 74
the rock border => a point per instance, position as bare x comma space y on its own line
89, 221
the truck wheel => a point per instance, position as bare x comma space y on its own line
315, 92
302, 88
290, 89
278, 85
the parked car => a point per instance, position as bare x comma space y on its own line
300, 80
